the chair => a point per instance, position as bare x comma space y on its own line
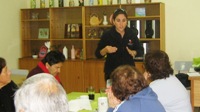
19, 75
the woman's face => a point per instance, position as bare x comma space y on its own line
5, 76
120, 23
55, 68
147, 76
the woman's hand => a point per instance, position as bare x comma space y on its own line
133, 53
108, 49
111, 49
112, 100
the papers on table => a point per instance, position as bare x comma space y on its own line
79, 104
193, 74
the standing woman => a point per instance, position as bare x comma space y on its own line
7, 88
119, 44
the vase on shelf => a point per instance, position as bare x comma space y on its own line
42, 3
147, 1
105, 22
71, 3
149, 30
73, 53
129, 1
109, 2
33, 3
100, 2
60, 3
51, 3
118, 1
81, 2
91, 2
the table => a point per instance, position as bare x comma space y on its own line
94, 103
195, 91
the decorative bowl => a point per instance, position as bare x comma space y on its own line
34, 56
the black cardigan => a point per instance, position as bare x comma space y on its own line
121, 57
7, 97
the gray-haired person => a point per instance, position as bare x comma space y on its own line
41, 93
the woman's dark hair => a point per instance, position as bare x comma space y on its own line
53, 57
119, 11
157, 64
126, 81
2, 64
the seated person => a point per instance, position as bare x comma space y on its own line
130, 92
51, 64
171, 92
41, 93
7, 88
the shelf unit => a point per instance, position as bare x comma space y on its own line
56, 19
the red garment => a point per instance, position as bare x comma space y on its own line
40, 68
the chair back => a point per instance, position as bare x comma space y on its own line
19, 75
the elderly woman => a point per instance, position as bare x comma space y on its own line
171, 92
130, 92
7, 88
41, 93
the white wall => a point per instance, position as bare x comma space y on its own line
10, 30
182, 29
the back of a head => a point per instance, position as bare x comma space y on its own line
53, 57
157, 63
2, 63
127, 80
41, 93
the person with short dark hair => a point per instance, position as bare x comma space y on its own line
119, 44
7, 88
171, 93
51, 64
130, 92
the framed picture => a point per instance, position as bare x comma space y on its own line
73, 31
140, 11
43, 33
